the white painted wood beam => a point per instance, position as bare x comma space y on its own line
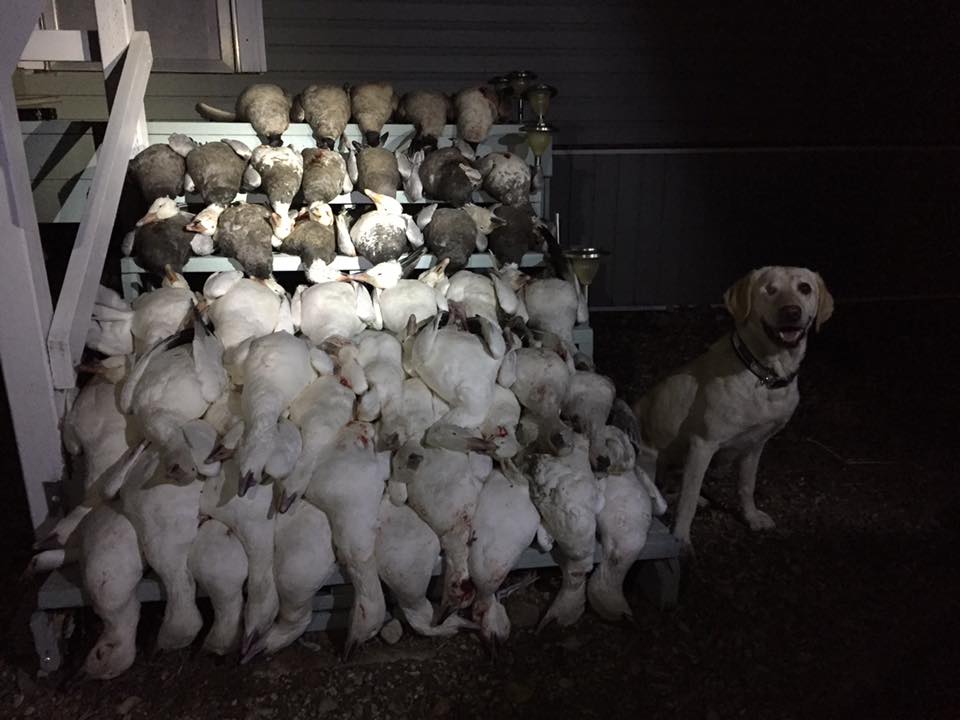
24, 291
114, 31
72, 316
58, 45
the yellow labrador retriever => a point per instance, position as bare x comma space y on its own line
735, 396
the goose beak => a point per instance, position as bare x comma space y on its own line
286, 502
195, 227
364, 278
147, 219
169, 273
246, 482
250, 647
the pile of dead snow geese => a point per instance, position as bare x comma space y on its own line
246, 444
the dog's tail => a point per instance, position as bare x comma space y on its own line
623, 417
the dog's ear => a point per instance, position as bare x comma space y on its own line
824, 302
737, 298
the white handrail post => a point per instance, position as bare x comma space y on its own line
115, 29
72, 315
24, 290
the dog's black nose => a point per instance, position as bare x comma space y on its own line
790, 314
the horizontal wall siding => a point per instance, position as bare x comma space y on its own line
629, 72
682, 227
657, 73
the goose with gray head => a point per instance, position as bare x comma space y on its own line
324, 175
216, 169
326, 108
448, 176
371, 105
280, 170
158, 171
383, 233
265, 106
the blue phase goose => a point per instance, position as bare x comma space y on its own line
280, 171
324, 175
266, 107
326, 108
216, 169
158, 171
427, 111
372, 104
447, 176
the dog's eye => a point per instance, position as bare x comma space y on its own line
770, 289
804, 288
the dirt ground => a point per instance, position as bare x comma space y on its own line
849, 609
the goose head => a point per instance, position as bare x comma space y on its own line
436, 277
320, 212
282, 222
161, 209
385, 203
320, 272
205, 221
173, 279
383, 275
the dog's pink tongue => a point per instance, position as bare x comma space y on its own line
789, 335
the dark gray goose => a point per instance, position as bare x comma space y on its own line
326, 108
158, 171
266, 107
160, 240
451, 235
377, 169
245, 234
216, 169
372, 104
427, 111
314, 240
280, 170
448, 176
324, 175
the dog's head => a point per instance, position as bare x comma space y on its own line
784, 301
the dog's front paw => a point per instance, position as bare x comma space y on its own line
759, 520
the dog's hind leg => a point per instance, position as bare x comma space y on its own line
756, 519
699, 453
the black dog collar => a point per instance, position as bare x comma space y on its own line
768, 378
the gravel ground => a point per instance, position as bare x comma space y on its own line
849, 609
